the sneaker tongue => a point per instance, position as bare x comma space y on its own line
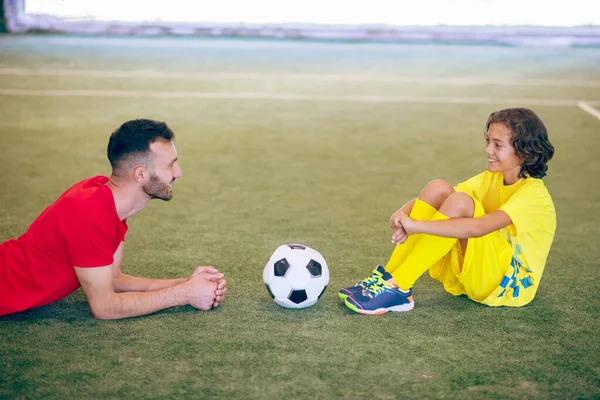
386, 276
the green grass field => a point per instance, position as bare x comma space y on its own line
297, 142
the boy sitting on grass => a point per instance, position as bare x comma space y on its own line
487, 238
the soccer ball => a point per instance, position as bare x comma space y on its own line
296, 276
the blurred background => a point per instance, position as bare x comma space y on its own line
507, 21
300, 122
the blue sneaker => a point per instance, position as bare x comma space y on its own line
381, 297
362, 285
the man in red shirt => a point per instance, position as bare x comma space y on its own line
78, 240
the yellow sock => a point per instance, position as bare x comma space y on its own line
421, 211
412, 258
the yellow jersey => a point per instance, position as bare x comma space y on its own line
533, 216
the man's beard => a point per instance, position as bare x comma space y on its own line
157, 189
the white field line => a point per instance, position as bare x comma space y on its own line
585, 106
288, 97
294, 77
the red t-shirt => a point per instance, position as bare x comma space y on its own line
81, 228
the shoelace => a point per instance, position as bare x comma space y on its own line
371, 279
376, 288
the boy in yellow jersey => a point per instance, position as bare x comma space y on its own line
487, 238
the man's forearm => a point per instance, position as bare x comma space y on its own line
128, 283
134, 304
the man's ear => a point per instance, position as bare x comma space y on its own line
140, 174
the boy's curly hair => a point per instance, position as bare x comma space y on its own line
529, 139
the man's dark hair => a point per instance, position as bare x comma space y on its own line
133, 139
529, 139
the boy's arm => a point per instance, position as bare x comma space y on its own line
460, 228
406, 209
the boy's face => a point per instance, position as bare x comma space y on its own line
501, 154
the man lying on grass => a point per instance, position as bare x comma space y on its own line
78, 240
487, 238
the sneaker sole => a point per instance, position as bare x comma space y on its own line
379, 311
342, 297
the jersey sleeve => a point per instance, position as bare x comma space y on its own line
531, 209
90, 236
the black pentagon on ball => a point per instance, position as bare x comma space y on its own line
296, 247
298, 296
269, 290
314, 268
281, 267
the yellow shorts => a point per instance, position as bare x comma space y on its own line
478, 272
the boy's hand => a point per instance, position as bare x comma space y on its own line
404, 228
395, 219
399, 235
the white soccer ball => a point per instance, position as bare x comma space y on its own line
296, 276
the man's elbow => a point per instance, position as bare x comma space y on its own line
102, 314
103, 311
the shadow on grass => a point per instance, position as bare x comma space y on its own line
75, 312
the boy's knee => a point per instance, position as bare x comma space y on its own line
458, 204
440, 185
436, 192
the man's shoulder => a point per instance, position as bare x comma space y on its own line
89, 185
89, 196
93, 188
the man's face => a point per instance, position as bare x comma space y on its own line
165, 171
